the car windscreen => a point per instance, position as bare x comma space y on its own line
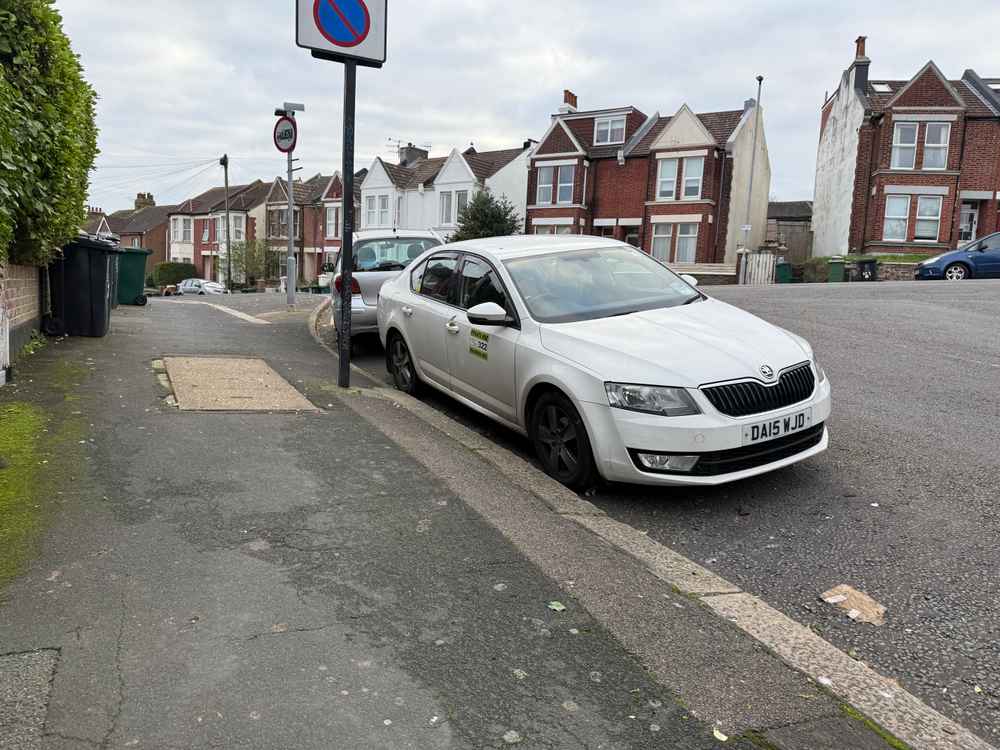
588, 284
389, 254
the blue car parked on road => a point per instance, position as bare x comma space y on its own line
979, 259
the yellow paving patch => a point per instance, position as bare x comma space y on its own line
231, 384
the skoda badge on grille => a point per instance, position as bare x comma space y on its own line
767, 371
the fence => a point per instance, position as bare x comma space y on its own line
756, 269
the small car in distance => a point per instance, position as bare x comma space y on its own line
979, 259
200, 287
610, 363
379, 255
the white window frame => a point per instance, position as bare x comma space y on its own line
219, 236
370, 211
560, 183
135, 242
684, 233
609, 124
663, 237
205, 231
898, 145
937, 147
383, 210
905, 218
661, 194
687, 180
927, 219
445, 204
331, 222
175, 229
399, 211
544, 190
461, 201
239, 227
187, 230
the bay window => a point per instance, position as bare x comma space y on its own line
936, 145
370, 211
904, 145
662, 235
928, 225
383, 210
239, 224
186, 225
694, 169
445, 208
566, 176
543, 194
667, 180
897, 218
687, 243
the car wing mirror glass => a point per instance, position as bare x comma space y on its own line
488, 314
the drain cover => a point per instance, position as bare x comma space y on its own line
231, 384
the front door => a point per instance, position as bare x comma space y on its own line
968, 223
481, 358
431, 313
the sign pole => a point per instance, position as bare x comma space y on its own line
291, 274
347, 244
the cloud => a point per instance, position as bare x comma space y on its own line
184, 81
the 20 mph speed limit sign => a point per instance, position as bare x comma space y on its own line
286, 134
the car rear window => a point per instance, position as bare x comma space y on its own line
391, 254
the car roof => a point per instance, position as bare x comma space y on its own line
526, 245
388, 234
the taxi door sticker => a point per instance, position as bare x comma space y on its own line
479, 344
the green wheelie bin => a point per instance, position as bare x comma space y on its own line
132, 276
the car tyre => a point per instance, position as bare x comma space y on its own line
399, 362
956, 272
561, 441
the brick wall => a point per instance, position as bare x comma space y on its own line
19, 296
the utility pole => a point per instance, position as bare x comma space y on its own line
224, 161
753, 163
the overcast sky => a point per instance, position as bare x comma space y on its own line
183, 81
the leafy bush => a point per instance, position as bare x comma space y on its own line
173, 273
486, 216
48, 139
815, 270
150, 281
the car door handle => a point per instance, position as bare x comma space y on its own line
451, 326
408, 312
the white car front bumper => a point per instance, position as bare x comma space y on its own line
717, 439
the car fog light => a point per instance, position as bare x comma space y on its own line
660, 462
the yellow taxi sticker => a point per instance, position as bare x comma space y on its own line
479, 344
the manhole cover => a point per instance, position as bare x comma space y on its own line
231, 384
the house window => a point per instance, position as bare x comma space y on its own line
135, 242
239, 224
370, 211
662, 234
277, 223
554, 229
461, 201
545, 178
897, 216
687, 243
175, 230
186, 236
609, 130
219, 236
936, 145
904, 145
667, 180
383, 210
928, 218
332, 222
694, 169
445, 208
204, 231
399, 211
566, 177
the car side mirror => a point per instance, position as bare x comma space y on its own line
689, 279
488, 314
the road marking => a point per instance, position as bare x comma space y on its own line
227, 310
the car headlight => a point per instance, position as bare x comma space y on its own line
651, 399
820, 372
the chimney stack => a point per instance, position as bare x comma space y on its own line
410, 154
860, 47
569, 104
860, 65
144, 200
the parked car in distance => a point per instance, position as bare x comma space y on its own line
608, 361
979, 259
200, 286
379, 255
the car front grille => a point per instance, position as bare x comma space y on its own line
741, 399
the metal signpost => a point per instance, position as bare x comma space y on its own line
286, 137
352, 32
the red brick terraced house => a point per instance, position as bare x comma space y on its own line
906, 166
675, 186
145, 226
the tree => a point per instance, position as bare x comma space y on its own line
486, 216
249, 259
48, 138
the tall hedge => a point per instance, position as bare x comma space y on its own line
48, 137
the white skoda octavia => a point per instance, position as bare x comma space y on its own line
609, 362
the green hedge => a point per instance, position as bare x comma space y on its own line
173, 273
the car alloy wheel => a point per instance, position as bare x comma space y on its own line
956, 272
404, 375
561, 441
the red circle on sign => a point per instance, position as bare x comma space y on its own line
295, 131
356, 33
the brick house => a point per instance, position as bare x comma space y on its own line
906, 166
146, 226
675, 186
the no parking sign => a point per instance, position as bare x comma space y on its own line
343, 29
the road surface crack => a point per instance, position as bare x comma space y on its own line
120, 705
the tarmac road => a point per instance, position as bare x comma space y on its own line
903, 506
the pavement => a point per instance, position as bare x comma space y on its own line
902, 507
358, 575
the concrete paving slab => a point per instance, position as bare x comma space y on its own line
231, 384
